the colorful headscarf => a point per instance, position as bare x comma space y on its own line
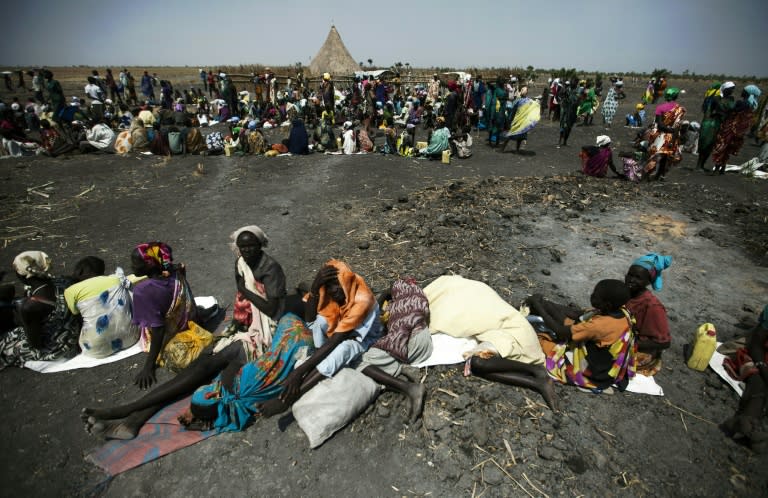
671, 93
359, 300
156, 255
31, 263
753, 93
714, 89
655, 264
258, 232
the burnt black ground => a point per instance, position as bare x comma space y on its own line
499, 218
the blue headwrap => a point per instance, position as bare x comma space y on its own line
754, 94
655, 264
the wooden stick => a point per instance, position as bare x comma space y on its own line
509, 450
86, 191
545, 495
448, 392
689, 413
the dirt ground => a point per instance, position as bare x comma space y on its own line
521, 223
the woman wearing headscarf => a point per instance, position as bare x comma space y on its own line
46, 331
257, 336
162, 303
665, 139
343, 316
298, 138
260, 298
651, 323
439, 140
595, 160
736, 124
718, 99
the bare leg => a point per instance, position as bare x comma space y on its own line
202, 370
127, 428
413, 391
275, 406
516, 373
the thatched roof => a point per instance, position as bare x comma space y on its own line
333, 57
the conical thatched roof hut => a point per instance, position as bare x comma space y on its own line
333, 57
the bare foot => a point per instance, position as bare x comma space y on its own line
110, 429
548, 393
103, 413
272, 407
416, 395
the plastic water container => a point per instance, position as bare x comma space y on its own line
446, 157
702, 347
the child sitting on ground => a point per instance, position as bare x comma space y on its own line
635, 120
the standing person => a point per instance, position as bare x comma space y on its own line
55, 95
8, 82
665, 140
524, 115
112, 86
204, 79
433, 91
148, 87
22, 83
122, 83
569, 103
131, 88
38, 82
328, 93
611, 103
735, 126
588, 104
718, 100
495, 103
211, 79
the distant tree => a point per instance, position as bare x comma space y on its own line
370, 62
361, 64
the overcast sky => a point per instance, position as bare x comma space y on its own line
703, 36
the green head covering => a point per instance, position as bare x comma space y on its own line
671, 93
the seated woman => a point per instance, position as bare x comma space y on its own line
105, 304
298, 139
595, 160
52, 141
438, 140
348, 134
651, 324
44, 329
748, 365
343, 316
264, 273
593, 350
325, 141
162, 303
260, 298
